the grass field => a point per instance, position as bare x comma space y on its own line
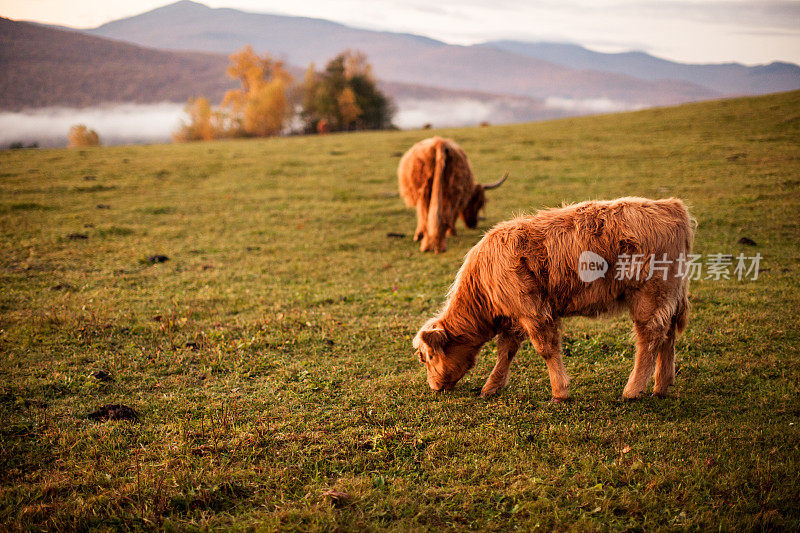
301, 379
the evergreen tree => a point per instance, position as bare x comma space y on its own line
345, 96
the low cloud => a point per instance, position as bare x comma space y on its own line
154, 123
115, 123
589, 105
414, 113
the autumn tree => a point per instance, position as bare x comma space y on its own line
261, 107
345, 96
348, 108
309, 114
203, 124
80, 135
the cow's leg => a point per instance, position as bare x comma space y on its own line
665, 364
647, 344
507, 346
437, 242
451, 229
422, 218
547, 341
654, 324
432, 242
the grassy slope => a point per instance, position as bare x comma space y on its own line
303, 311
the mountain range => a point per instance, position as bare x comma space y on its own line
399, 57
180, 50
43, 66
726, 78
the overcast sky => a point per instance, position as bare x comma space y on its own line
748, 31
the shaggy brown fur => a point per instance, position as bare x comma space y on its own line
522, 278
435, 176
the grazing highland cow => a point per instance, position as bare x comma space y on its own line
435, 177
585, 259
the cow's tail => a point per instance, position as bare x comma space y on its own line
435, 210
688, 224
682, 313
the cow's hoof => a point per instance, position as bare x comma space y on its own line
630, 394
488, 393
661, 395
556, 399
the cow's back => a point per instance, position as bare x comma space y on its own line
628, 234
542, 253
416, 168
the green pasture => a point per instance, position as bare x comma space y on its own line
270, 360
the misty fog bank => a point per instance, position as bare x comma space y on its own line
154, 123
590, 106
115, 123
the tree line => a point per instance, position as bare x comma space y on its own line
342, 97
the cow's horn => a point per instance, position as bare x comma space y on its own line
496, 184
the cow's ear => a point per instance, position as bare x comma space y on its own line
435, 338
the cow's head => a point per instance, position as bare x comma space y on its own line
476, 202
473, 207
446, 358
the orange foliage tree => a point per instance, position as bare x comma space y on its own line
348, 108
80, 135
204, 124
261, 107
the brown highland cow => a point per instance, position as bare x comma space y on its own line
585, 259
435, 177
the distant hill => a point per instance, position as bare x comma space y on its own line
727, 78
187, 25
405, 58
42, 66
